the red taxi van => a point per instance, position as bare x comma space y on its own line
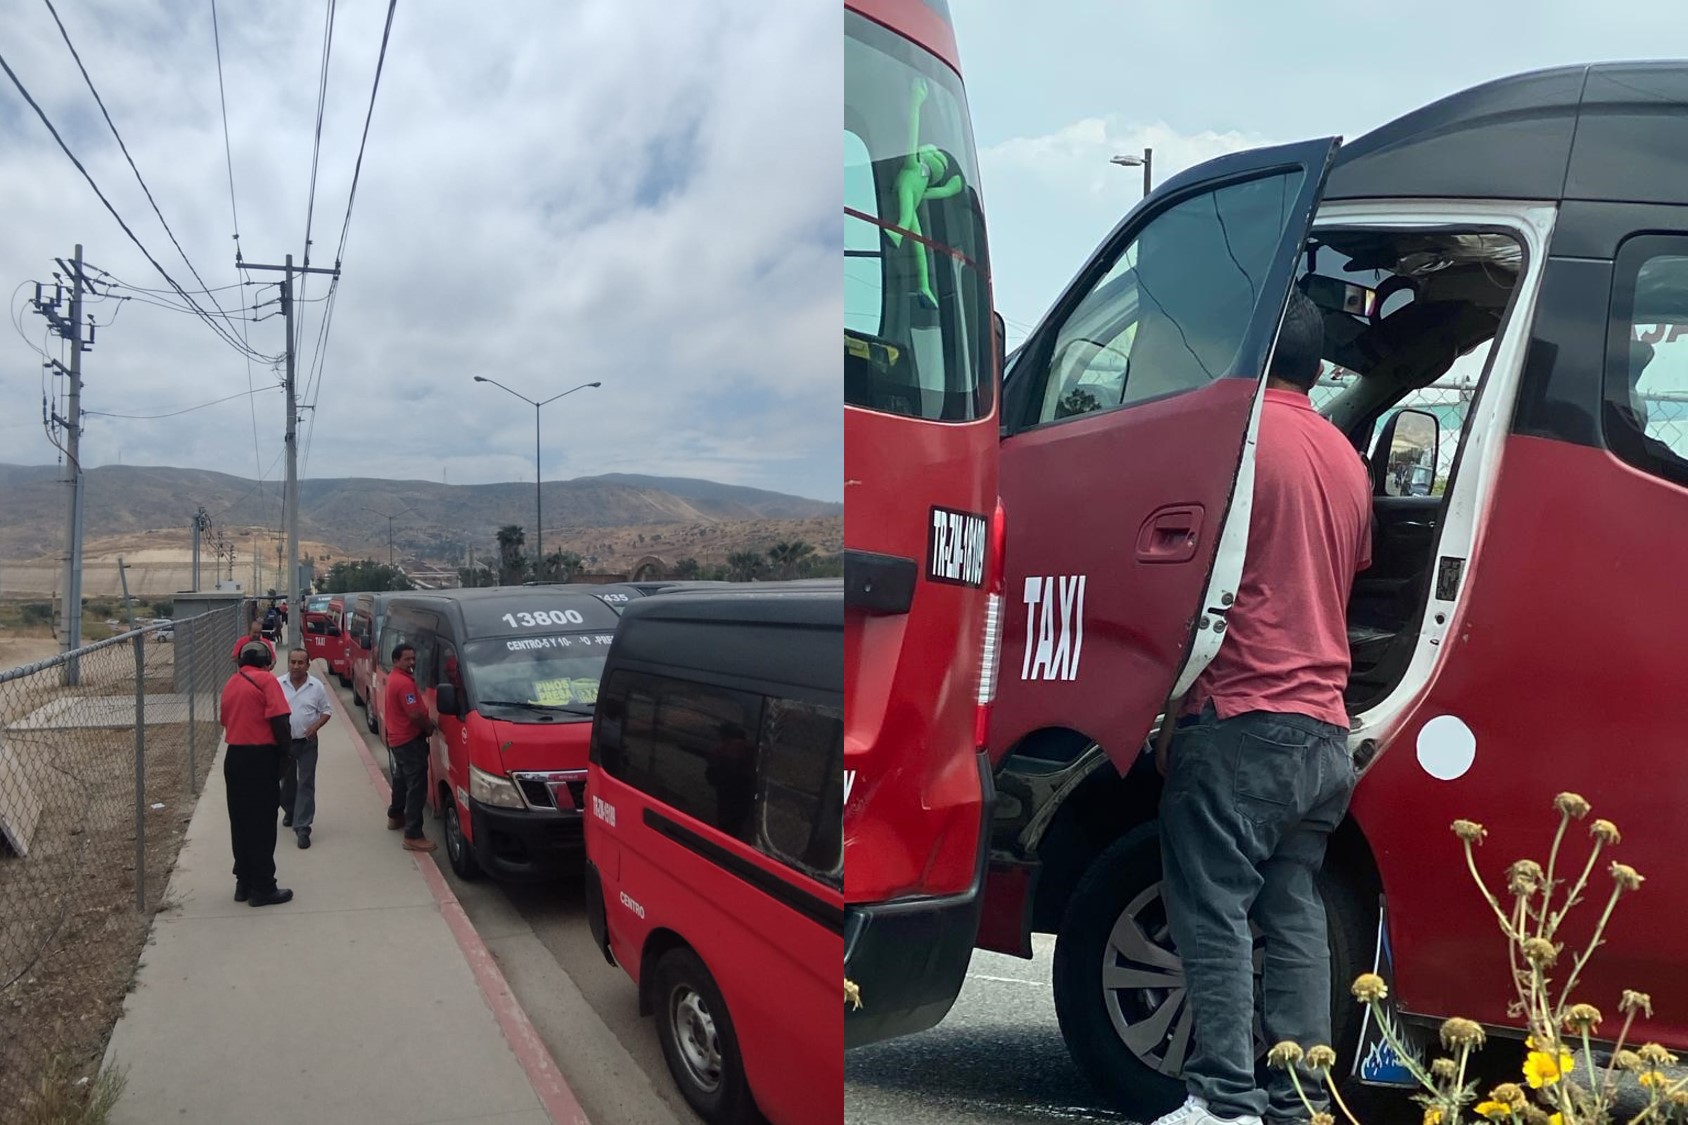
1503, 277
369, 613
511, 674
322, 626
715, 865
340, 649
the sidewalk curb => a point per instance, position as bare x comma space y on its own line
536, 1062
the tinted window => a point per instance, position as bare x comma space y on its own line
403, 629
1171, 312
916, 312
802, 806
691, 746
1645, 414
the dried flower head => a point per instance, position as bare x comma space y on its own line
1321, 1057
1540, 951
1626, 877
1469, 831
1654, 1055
1535, 1115
1605, 831
1494, 1111
1444, 1070
1323, 1119
1679, 1099
1510, 1093
853, 994
1573, 805
1285, 1055
1628, 1060
1636, 1002
1524, 877
1369, 987
1460, 1032
1583, 1018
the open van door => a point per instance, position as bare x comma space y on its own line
1128, 450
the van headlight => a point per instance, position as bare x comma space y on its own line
491, 790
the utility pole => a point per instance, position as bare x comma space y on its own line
295, 618
201, 524
70, 329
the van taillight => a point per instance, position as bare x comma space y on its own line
990, 646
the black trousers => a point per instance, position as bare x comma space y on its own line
252, 777
410, 781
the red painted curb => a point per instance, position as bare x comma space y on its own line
541, 1069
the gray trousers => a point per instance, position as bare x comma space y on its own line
298, 782
1248, 806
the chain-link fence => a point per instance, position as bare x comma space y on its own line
103, 752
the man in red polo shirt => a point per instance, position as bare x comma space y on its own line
1259, 772
254, 634
255, 724
407, 728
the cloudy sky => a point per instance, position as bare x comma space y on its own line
1200, 78
553, 193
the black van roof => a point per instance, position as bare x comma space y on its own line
655, 630
483, 609
1606, 132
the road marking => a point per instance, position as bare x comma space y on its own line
1003, 980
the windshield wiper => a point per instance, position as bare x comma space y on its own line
571, 708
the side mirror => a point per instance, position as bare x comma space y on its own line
446, 701
1404, 461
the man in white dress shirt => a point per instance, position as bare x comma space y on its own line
311, 711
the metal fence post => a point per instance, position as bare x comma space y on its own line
193, 694
140, 772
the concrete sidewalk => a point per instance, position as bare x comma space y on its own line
368, 998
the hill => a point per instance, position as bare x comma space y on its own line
433, 522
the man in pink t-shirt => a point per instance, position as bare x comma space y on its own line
1259, 773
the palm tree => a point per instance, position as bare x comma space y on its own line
512, 566
743, 566
687, 569
789, 556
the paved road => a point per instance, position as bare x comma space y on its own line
585, 1010
997, 1059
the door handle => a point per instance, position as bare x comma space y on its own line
1170, 535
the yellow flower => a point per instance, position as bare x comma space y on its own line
1369, 987
1459, 1032
1626, 877
1432, 1115
1605, 831
1556, 1119
1494, 1111
1573, 805
1654, 1080
1469, 831
1540, 1068
1284, 1054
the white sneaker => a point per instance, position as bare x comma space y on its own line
1194, 1111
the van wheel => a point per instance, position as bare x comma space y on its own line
1119, 984
369, 719
457, 847
698, 1040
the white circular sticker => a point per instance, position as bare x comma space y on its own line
1446, 748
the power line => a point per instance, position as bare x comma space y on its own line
64, 34
139, 245
176, 413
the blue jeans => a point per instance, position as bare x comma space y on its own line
1248, 806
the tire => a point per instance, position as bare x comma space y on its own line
698, 1040
457, 847
1117, 913
369, 719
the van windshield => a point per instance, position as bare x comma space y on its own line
557, 671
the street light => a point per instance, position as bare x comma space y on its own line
390, 519
538, 502
1147, 160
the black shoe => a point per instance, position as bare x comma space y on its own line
240, 892
271, 898
287, 821
304, 838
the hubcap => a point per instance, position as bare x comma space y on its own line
694, 1031
1143, 986
454, 841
